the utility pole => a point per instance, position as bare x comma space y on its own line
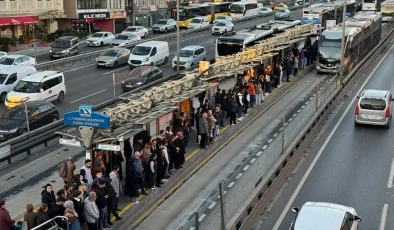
177, 36
339, 81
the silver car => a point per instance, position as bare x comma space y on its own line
190, 56
113, 57
374, 107
164, 25
283, 13
125, 39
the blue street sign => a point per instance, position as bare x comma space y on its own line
87, 117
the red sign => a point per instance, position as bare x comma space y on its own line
18, 20
89, 20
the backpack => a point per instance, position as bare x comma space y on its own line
61, 169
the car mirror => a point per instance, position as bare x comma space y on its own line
358, 96
392, 99
357, 218
295, 209
41, 90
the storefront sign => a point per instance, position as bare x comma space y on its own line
101, 15
185, 106
164, 121
116, 15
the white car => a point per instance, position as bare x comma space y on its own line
2, 54
190, 56
222, 27
324, 216
125, 39
198, 22
264, 10
17, 60
100, 39
140, 31
227, 18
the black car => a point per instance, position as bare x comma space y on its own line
13, 123
64, 47
140, 76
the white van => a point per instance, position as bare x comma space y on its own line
198, 22
149, 53
10, 76
40, 86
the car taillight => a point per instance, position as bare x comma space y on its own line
357, 109
388, 112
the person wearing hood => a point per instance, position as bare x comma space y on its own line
91, 211
111, 201
42, 217
72, 216
48, 196
133, 176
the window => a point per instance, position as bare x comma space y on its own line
44, 108
35, 113
373, 104
115, 4
91, 4
11, 79
51, 83
25, 59
18, 61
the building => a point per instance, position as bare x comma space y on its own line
79, 14
29, 18
147, 12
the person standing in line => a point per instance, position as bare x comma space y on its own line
203, 124
218, 117
72, 216
42, 217
246, 98
115, 177
259, 91
133, 175
48, 196
197, 117
145, 156
5, 219
101, 202
224, 108
164, 150
155, 149
30, 217
152, 170
211, 126
111, 201
295, 66
86, 173
240, 105
91, 211
232, 105
78, 206
251, 92
281, 72
288, 68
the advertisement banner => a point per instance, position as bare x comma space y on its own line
116, 15
164, 121
185, 106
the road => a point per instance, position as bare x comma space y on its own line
348, 165
87, 84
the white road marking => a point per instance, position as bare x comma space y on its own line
231, 184
224, 193
70, 70
302, 106
212, 205
306, 102
298, 110
290, 119
259, 153
246, 167
305, 177
390, 181
265, 146
294, 115
281, 128
253, 160
286, 123
115, 70
275, 134
238, 176
90, 95
201, 217
192, 228
383, 218
270, 140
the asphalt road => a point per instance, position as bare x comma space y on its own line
87, 84
348, 165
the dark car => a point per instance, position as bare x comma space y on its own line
140, 76
13, 123
64, 47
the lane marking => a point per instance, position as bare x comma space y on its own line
115, 70
302, 106
259, 153
201, 217
383, 217
90, 95
298, 110
238, 176
224, 193
290, 119
306, 175
231, 184
78, 68
192, 228
275, 134
286, 123
212, 205
294, 115
265, 146
246, 167
253, 160
270, 140
391, 175
306, 102
281, 128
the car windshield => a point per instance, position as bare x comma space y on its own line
139, 72
263, 9
3, 77
27, 87
220, 24
131, 29
186, 53
7, 61
330, 48
17, 113
196, 20
282, 11
372, 104
110, 53
97, 35
222, 17
60, 44
141, 50
122, 37
162, 22
236, 9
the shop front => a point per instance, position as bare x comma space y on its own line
24, 28
100, 21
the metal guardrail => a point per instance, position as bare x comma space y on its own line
86, 57
54, 224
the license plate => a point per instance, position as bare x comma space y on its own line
129, 86
371, 117
55, 55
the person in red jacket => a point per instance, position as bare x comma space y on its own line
5, 219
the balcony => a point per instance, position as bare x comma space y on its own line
91, 4
31, 7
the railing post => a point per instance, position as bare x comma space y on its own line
283, 134
317, 100
196, 215
222, 213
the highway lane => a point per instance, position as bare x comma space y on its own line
353, 166
87, 84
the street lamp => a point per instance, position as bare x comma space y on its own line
24, 100
339, 81
177, 36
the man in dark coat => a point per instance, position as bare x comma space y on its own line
111, 201
5, 219
131, 189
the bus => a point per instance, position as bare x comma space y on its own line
373, 5
387, 9
244, 9
232, 43
362, 34
319, 15
187, 13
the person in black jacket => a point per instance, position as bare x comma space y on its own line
58, 210
111, 201
78, 205
101, 202
48, 196
224, 107
232, 105
197, 117
42, 217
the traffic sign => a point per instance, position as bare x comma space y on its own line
108, 147
85, 116
69, 142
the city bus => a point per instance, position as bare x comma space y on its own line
387, 9
244, 9
232, 43
373, 5
318, 15
362, 34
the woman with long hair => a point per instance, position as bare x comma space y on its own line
42, 217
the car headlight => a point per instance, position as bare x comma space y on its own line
145, 59
122, 44
64, 51
122, 82
182, 62
13, 130
138, 83
50, 51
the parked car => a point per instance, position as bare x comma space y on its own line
227, 18
39, 113
125, 39
198, 22
2, 54
100, 39
284, 13
113, 57
140, 76
16, 59
222, 27
190, 56
137, 30
264, 10
164, 25
64, 47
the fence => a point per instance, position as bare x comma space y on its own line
216, 211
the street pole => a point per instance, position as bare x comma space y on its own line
222, 213
114, 84
27, 118
35, 53
177, 36
303, 3
339, 81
